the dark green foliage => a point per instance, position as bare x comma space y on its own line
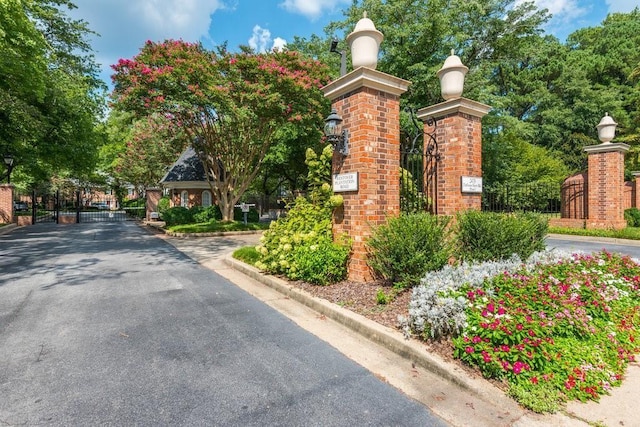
177, 215
632, 216
406, 247
489, 236
321, 263
207, 214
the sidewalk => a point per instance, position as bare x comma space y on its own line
443, 387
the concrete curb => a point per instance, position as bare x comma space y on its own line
8, 228
213, 234
389, 338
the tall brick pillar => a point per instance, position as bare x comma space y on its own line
459, 139
6, 203
369, 103
606, 185
153, 197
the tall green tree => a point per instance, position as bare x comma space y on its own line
50, 96
233, 106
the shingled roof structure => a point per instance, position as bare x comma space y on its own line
188, 168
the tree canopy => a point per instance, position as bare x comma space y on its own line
544, 93
50, 96
231, 106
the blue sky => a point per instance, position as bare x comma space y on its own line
124, 25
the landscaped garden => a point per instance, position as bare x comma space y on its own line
547, 327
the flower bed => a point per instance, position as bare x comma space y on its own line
554, 329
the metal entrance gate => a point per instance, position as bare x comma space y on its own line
75, 207
419, 158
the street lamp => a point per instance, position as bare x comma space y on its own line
337, 137
8, 161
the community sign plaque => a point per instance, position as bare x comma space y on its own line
345, 182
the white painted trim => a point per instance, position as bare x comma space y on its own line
607, 147
365, 77
453, 106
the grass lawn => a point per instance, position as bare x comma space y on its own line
217, 226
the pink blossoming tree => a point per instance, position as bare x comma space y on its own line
233, 106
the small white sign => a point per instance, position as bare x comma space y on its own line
244, 207
345, 182
471, 184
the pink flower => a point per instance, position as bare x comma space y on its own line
476, 339
491, 307
534, 380
469, 349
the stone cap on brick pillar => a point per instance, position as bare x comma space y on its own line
607, 147
452, 106
365, 77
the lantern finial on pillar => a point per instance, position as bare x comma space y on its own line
451, 77
365, 43
606, 129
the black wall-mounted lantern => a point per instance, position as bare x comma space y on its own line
337, 137
8, 161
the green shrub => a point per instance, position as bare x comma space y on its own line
177, 215
632, 216
207, 214
408, 246
163, 204
320, 263
489, 236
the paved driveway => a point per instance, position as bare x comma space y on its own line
106, 324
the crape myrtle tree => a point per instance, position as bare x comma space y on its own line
232, 106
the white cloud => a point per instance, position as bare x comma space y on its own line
260, 39
279, 44
562, 10
622, 5
312, 9
124, 25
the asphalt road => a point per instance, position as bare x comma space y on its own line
103, 323
577, 243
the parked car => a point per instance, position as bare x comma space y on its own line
20, 206
100, 205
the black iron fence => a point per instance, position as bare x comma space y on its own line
541, 197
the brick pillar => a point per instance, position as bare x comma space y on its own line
606, 185
369, 103
6, 203
459, 138
153, 197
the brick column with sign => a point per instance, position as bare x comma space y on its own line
459, 138
368, 178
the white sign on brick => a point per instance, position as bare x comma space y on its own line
471, 184
345, 182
